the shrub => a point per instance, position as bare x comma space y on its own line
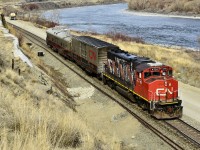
137, 4
177, 6
122, 37
30, 7
46, 23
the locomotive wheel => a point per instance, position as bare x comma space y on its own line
142, 104
111, 84
104, 80
131, 97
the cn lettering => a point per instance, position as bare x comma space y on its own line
92, 55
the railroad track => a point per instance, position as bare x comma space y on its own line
164, 136
186, 130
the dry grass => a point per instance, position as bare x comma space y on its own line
32, 118
25, 125
30, 7
166, 6
122, 37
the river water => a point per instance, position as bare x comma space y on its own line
162, 30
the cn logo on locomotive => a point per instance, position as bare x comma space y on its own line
92, 55
162, 91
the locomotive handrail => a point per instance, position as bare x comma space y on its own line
151, 95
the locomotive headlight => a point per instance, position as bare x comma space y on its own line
163, 73
170, 84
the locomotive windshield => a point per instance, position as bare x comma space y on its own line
147, 74
156, 73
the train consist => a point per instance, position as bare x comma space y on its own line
141, 80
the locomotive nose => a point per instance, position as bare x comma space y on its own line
164, 90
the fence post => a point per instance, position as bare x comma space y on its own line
13, 64
19, 71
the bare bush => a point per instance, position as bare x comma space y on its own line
122, 37
30, 7
137, 4
177, 6
46, 23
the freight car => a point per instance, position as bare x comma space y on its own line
146, 82
89, 53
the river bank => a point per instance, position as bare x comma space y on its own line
170, 15
167, 7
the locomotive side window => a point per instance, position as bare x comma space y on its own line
147, 74
170, 73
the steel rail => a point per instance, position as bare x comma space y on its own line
186, 130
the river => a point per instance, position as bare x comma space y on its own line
161, 30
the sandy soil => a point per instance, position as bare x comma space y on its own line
106, 116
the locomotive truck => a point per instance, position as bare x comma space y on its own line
141, 80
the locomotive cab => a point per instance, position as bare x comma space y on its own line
161, 90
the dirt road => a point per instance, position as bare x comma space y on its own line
191, 100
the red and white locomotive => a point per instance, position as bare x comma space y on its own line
144, 81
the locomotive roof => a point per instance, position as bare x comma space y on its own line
60, 32
139, 63
129, 57
95, 42
144, 66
